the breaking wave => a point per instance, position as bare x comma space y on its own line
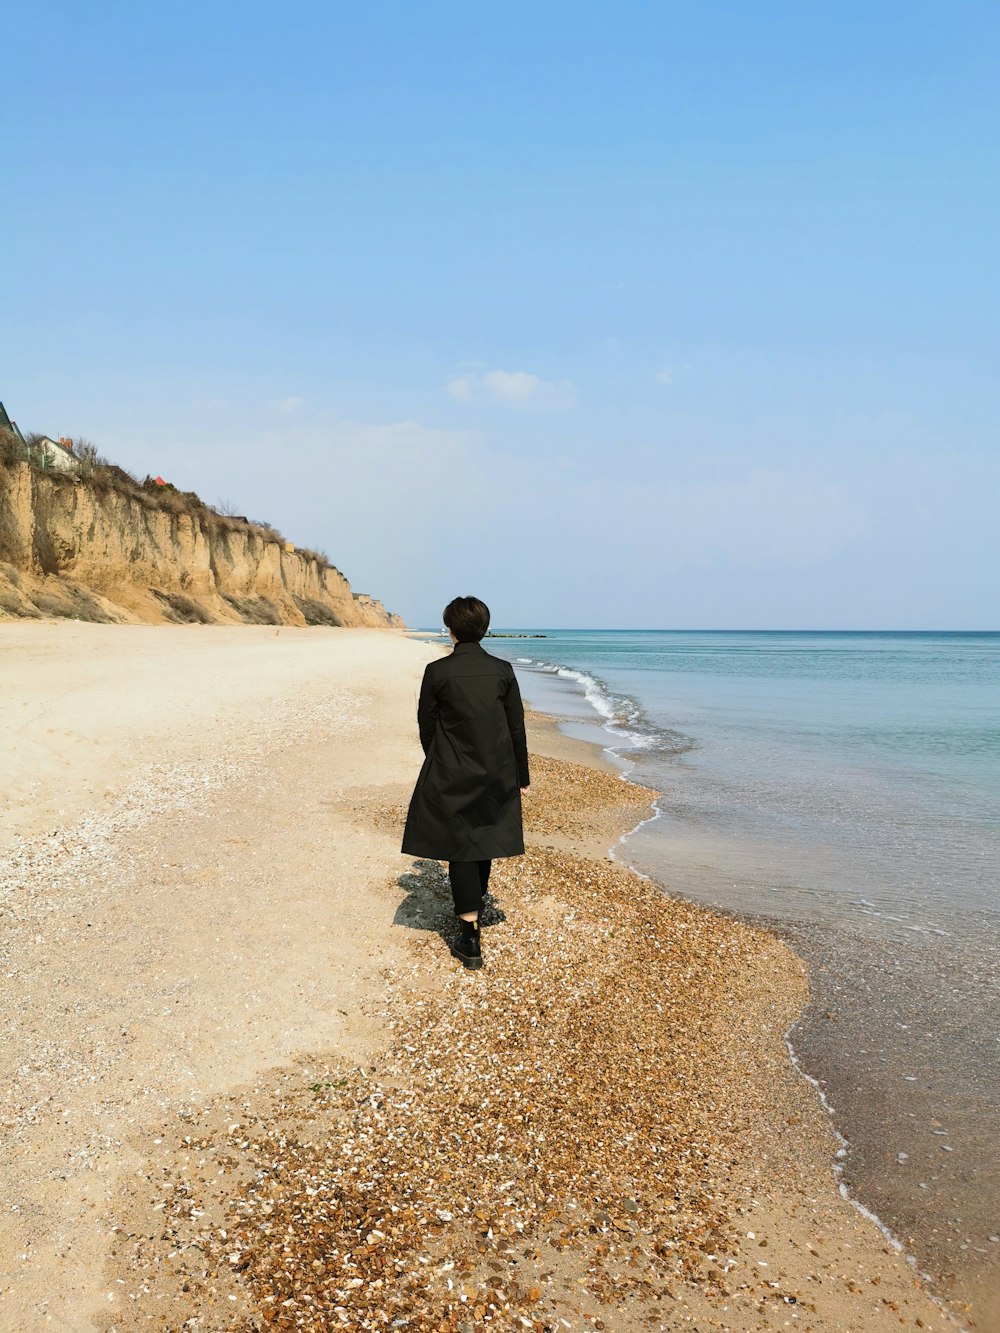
622, 715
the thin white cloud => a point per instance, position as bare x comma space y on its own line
513, 388
665, 376
289, 405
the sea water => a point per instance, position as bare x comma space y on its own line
844, 788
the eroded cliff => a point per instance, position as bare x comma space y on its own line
79, 546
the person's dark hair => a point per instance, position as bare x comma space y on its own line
468, 618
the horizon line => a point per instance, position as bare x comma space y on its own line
694, 629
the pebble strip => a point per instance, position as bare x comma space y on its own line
553, 1142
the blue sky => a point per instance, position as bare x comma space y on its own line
612, 314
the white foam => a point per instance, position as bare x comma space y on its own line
618, 711
612, 853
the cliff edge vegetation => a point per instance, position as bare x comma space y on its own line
92, 542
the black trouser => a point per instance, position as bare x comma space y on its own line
468, 884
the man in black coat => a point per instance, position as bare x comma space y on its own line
466, 805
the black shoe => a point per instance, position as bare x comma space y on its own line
468, 949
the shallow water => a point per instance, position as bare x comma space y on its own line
846, 789
835, 776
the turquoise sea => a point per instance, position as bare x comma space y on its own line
827, 776
845, 789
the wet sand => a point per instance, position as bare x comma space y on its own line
922, 1121
248, 1087
900, 1034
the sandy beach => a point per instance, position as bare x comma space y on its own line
245, 1085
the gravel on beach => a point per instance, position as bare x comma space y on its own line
600, 1130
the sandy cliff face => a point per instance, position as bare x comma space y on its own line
68, 548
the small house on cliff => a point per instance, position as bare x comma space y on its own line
43, 452
54, 455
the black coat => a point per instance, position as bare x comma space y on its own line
466, 805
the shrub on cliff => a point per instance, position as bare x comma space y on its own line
267, 531
320, 557
12, 449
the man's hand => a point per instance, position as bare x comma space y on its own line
524, 791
